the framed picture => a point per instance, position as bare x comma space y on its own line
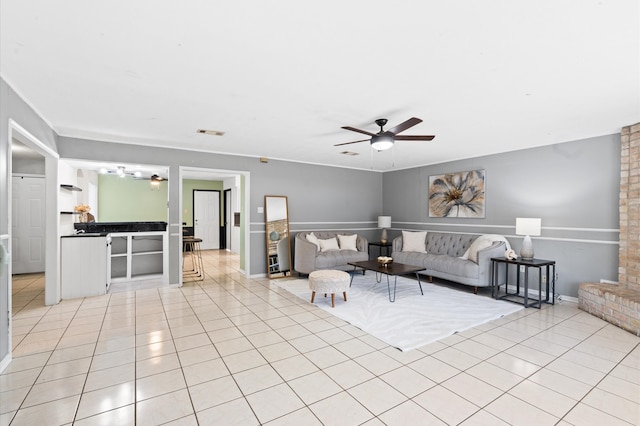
459, 194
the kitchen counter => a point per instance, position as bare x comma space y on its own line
92, 261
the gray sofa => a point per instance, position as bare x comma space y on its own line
309, 258
444, 257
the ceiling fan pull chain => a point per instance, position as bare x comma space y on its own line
371, 157
393, 157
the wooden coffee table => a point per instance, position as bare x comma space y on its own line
393, 269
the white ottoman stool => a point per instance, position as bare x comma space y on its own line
329, 281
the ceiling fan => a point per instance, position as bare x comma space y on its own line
385, 139
154, 179
123, 172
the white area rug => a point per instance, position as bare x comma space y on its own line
413, 320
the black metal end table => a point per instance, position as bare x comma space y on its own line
387, 246
547, 279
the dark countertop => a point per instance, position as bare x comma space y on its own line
109, 227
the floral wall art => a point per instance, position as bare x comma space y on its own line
459, 194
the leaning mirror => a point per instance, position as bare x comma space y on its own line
276, 213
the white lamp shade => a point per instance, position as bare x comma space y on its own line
384, 221
528, 226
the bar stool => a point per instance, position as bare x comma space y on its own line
191, 245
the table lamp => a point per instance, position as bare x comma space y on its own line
384, 222
527, 226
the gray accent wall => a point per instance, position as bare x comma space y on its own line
573, 187
319, 197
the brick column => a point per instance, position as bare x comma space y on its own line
629, 256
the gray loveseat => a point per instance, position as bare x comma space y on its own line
309, 258
443, 256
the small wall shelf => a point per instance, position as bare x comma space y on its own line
70, 187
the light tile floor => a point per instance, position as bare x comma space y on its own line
234, 350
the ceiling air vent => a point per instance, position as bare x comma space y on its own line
210, 132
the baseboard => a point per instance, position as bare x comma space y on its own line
564, 298
5, 362
264, 275
533, 294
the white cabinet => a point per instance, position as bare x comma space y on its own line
138, 256
84, 266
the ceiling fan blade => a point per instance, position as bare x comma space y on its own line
414, 138
349, 143
404, 126
353, 129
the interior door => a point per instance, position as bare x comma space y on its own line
206, 218
27, 225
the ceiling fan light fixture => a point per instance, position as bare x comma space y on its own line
381, 142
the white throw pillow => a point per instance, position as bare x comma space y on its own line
313, 239
329, 244
414, 241
482, 242
348, 242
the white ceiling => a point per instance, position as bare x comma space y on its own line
281, 78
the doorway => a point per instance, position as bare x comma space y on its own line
239, 184
52, 233
206, 218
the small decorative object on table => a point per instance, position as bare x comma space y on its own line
385, 260
83, 209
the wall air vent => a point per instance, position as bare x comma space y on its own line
210, 132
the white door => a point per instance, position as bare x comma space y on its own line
206, 218
27, 220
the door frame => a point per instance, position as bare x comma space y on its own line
245, 208
52, 222
52, 293
193, 212
226, 227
